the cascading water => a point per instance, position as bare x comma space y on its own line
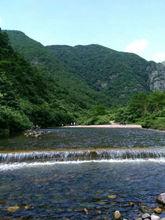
83, 155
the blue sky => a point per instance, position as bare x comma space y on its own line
125, 25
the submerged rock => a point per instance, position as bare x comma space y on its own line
158, 210
117, 215
145, 209
131, 204
86, 211
161, 198
146, 216
2, 202
112, 196
35, 133
13, 208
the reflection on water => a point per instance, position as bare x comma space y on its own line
87, 137
63, 191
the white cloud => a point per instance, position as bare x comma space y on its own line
158, 56
137, 46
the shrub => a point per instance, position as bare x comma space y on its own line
13, 120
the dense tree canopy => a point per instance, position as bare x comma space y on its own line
51, 86
32, 96
146, 109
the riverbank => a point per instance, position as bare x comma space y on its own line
106, 126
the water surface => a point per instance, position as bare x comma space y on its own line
63, 191
86, 137
81, 173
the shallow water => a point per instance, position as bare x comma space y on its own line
63, 191
86, 137
73, 172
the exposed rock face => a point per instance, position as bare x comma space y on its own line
156, 72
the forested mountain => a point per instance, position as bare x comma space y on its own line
74, 88
116, 74
55, 85
32, 95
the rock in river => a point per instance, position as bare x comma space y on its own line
155, 217
117, 215
146, 216
158, 210
161, 198
13, 208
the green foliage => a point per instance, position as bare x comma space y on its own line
28, 96
44, 116
116, 75
97, 115
68, 89
43, 93
13, 120
51, 86
146, 109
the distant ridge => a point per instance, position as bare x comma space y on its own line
114, 76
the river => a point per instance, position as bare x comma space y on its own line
81, 173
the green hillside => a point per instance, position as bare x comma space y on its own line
145, 109
39, 95
74, 88
55, 85
119, 75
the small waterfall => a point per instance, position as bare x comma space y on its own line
83, 155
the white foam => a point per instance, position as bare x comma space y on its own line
14, 166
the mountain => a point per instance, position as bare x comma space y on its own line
109, 76
116, 74
35, 88
54, 85
75, 89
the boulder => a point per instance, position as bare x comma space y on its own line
155, 217
112, 196
13, 208
146, 216
145, 209
117, 215
158, 210
86, 211
161, 198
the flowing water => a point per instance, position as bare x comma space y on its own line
81, 173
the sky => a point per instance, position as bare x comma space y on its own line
125, 25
